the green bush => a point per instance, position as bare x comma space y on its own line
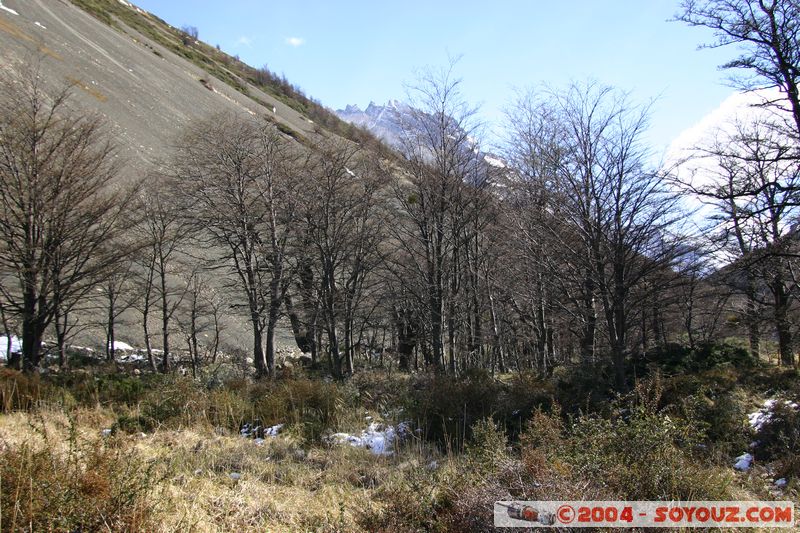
779, 436
176, 402
646, 457
721, 416
679, 358
642, 452
487, 449
311, 406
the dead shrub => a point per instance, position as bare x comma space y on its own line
92, 486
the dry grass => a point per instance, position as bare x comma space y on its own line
184, 437
282, 486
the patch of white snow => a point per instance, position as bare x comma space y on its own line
273, 431
122, 346
8, 9
377, 438
743, 462
758, 418
493, 161
16, 346
256, 431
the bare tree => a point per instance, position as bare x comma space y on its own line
119, 296
618, 217
59, 209
342, 230
440, 164
752, 181
768, 34
189, 35
163, 229
235, 175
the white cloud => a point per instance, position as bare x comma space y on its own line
295, 41
685, 156
738, 106
244, 41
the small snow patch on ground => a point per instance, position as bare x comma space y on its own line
8, 9
132, 358
743, 462
16, 346
758, 418
122, 346
259, 433
377, 438
273, 431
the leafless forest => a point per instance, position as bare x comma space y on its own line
574, 270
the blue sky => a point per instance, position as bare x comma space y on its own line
351, 52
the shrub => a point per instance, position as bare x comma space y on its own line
93, 486
721, 417
415, 503
178, 402
311, 406
542, 442
488, 446
445, 408
586, 387
23, 392
779, 435
647, 457
380, 391
679, 358
525, 394
644, 454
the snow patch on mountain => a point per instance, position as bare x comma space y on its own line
384, 121
8, 9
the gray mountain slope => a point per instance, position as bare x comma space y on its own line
147, 93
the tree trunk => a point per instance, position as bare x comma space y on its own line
146, 316
300, 333
782, 325
148, 346
590, 320
110, 333
32, 332
215, 344
193, 333
349, 348
164, 323
437, 356
259, 360
61, 338
12, 360
270, 345
333, 350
